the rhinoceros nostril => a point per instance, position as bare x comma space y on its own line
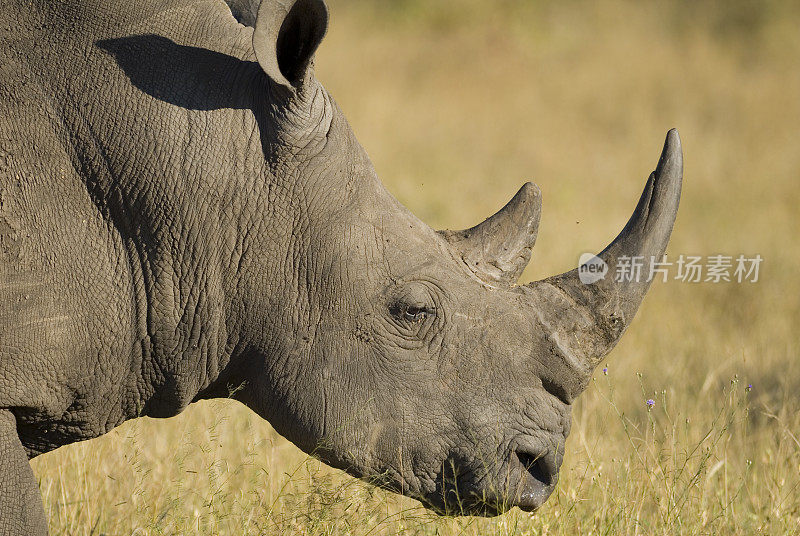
538, 467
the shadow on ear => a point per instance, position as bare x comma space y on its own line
286, 36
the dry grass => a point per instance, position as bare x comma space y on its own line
458, 104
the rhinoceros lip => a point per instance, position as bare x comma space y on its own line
526, 480
465, 506
538, 477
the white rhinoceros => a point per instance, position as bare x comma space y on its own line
184, 211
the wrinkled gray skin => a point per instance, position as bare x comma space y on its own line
184, 211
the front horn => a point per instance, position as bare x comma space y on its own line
583, 321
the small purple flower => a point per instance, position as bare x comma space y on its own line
605, 371
749, 387
650, 403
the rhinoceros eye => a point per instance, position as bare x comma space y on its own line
412, 305
416, 313
413, 313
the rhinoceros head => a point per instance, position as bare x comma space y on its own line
409, 356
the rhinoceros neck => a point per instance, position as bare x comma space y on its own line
192, 194
215, 237
182, 221
167, 179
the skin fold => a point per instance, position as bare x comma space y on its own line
186, 214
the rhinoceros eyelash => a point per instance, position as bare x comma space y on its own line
412, 313
417, 314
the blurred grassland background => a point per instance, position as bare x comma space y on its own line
458, 103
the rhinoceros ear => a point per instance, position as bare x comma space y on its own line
286, 36
244, 11
499, 249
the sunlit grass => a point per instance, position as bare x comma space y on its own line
669, 469
459, 103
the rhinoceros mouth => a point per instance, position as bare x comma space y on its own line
526, 480
538, 478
